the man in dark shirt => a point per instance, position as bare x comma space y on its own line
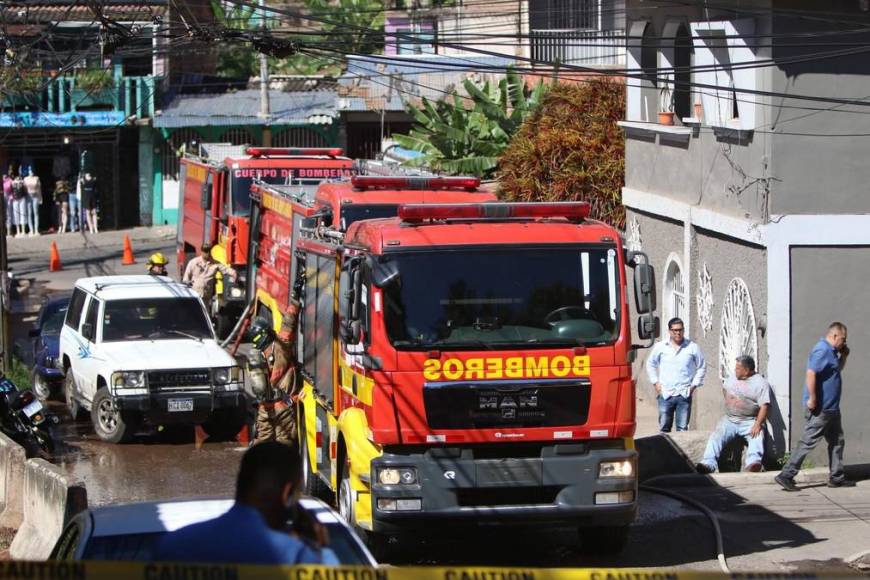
253, 530
822, 404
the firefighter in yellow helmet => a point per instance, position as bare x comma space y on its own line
272, 373
157, 265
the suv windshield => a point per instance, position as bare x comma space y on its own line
529, 298
154, 318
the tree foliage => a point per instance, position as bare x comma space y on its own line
235, 60
468, 135
571, 149
356, 27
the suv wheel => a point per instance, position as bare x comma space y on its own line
41, 388
69, 390
110, 424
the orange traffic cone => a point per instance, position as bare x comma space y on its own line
199, 436
128, 258
244, 435
54, 259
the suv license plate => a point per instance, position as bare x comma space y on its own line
180, 405
33, 408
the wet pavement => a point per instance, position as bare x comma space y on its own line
155, 465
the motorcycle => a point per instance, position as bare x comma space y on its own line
24, 420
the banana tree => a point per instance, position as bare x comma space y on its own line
468, 134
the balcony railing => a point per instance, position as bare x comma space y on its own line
134, 96
578, 47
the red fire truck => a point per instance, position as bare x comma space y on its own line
215, 204
278, 212
471, 363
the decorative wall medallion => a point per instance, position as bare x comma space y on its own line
633, 241
704, 299
737, 334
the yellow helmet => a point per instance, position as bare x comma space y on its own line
157, 260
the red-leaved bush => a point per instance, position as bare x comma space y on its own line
571, 149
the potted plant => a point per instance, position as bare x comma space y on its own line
20, 88
92, 87
666, 111
698, 109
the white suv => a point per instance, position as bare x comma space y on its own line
137, 348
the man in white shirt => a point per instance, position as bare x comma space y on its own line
676, 367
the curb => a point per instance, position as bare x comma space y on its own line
812, 476
12, 460
51, 499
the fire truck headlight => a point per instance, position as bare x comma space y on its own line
623, 468
236, 292
397, 475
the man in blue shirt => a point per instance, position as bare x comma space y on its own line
676, 367
253, 530
822, 402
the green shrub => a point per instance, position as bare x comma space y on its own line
571, 149
19, 373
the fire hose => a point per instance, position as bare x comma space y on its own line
244, 320
717, 531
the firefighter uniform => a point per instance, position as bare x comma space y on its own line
276, 416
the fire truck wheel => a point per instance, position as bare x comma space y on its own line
312, 484
380, 545
603, 539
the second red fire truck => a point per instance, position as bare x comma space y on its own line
215, 204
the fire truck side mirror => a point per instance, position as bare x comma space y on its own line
644, 288
350, 287
647, 326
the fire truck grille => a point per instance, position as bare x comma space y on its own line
467, 405
178, 379
488, 496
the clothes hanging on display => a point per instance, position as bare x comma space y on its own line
61, 167
89, 192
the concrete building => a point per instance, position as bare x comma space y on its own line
753, 204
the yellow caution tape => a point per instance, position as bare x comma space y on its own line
160, 571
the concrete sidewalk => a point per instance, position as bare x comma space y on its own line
72, 241
766, 528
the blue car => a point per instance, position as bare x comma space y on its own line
46, 336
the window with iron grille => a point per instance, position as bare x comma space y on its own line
563, 14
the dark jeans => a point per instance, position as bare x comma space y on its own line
825, 424
677, 405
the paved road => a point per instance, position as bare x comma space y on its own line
764, 528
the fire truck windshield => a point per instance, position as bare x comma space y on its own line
351, 212
242, 180
502, 298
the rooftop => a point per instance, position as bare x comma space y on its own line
242, 108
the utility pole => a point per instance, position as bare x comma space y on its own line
265, 110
